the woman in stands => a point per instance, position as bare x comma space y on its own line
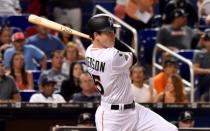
23, 78
174, 91
5, 38
71, 86
71, 54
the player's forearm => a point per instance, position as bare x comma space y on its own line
121, 46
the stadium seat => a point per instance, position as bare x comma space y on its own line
18, 21
26, 94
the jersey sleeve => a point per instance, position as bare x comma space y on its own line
121, 62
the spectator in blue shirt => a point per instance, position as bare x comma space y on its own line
30, 52
45, 41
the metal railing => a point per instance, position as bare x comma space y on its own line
188, 62
121, 22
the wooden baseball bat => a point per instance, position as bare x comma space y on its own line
55, 26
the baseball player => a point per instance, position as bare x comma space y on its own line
108, 61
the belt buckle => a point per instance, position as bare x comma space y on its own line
121, 107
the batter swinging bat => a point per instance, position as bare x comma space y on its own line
55, 26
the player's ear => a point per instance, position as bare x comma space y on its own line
96, 34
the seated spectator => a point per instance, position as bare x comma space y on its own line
30, 53
177, 35
66, 38
85, 120
10, 7
174, 92
8, 90
45, 41
186, 120
71, 85
71, 54
202, 68
47, 96
5, 38
88, 93
142, 92
55, 72
23, 78
160, 80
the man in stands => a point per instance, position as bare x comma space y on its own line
8, 90
30, 52
45, 41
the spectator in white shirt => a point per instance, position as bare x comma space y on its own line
46, 95
143, 93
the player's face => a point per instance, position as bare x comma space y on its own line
107, 39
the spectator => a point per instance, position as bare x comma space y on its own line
55, 72
5, 38
71, 54
186, 5
174, 92
69, 12
119, 9
46, 95
8, 90
202, 68
10, 7
23, 78
30, 52
71, 85
88, 93
160, 80
86, 120
186, 120
45, 41
67, 38
177, 35
142, 92
138, 14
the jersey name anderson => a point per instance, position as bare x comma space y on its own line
95, 64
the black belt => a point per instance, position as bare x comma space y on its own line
126, 106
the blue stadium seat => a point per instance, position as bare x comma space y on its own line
26, 94
18, 21
36, 74
147, 41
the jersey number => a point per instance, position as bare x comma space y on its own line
99, 86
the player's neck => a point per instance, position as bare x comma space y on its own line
97, 44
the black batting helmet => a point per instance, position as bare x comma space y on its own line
101, 23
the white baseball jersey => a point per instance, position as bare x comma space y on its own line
109, 68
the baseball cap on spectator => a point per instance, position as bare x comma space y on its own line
46, 80
18, 36
178, 13
206, 35
186, 116
85, 117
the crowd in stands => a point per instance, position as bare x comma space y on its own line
60, 56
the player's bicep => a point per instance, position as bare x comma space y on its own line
122, 61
